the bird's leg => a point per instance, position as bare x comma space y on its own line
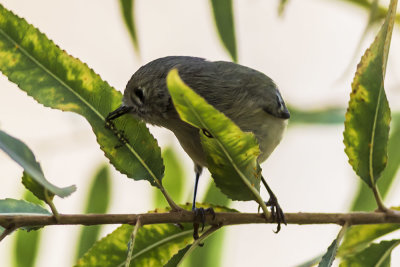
276, 210
199, 213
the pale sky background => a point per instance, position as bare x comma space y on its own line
305, 52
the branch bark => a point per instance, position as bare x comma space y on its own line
182, 216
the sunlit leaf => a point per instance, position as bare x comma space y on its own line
58, 80
22, 155
128, 14
224, 20
231, 153
376, 255
359, 236
368, 114
98, 201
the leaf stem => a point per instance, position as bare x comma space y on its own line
49, 202
378, 198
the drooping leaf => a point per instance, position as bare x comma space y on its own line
364, 200
58, 80
26, 244
97, 202
368, 114
231, 153
173, 181
224, 20
11, 206
22, 155
128, 14
330, 255
376, 255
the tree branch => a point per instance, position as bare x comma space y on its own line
182, 216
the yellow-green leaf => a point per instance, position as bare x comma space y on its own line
231, 153
368, 114
57, 80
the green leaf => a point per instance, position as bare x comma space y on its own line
97, 202
330, 255
127, 9
173, 181
368, 114
231, 154
154, 246
176, 259
26, 244
22, 155
37, 189
223, 17
11, 206
376, 255
58, 80
359, 236
364, 200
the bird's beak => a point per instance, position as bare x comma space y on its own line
118, 112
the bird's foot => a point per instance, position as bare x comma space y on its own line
276, 212
200, 218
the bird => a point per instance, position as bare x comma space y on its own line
248, 97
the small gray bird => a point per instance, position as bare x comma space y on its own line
248, 97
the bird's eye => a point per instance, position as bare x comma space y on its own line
139, 93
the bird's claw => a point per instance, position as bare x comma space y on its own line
200, 217
276, 212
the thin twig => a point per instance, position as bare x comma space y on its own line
224, 218
6, 232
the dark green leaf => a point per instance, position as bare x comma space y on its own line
37, 189
376, 255
97, 202
231, 153
58, 80
26, 244
330, 255
128, 12
173, 181
368, 115
22, 155
223, 17
176, 259
11, 206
